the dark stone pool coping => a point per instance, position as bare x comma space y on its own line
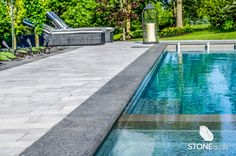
83, 130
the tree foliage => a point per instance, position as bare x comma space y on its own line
125, 15
191, 11
220, 13
80, 13
58, 6
5, 25
35, 12
165, 15
19, 14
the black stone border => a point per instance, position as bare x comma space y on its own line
83, 130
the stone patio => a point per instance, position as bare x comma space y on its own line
36, 96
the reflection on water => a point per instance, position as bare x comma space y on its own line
197, 83
187, 91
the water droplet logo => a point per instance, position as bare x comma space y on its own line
206, 134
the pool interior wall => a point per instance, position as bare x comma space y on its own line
181, 93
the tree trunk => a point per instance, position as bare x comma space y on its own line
36, 40
105, 2
127, 33
123, 29
14, 43
128, 22
123, 34
179, 14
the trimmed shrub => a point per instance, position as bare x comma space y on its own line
6, 56
175, 31
136, 34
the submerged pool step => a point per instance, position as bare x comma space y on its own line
183, 122
175, 125
126, 142
179, 117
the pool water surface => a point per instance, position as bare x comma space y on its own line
184, 91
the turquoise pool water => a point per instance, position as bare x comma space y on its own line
183, 92
201, 84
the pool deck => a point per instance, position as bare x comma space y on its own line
36, 96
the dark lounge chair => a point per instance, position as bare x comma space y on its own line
71, 37
60, 24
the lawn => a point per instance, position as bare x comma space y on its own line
202, 32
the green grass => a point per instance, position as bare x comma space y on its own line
201, 32
199, 27
205, 35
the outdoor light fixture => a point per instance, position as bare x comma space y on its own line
149, 24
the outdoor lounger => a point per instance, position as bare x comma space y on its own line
60, 24
70, 37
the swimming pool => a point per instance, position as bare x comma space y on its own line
181, 93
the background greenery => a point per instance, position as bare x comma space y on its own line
125, 15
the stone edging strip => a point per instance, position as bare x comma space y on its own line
83, 130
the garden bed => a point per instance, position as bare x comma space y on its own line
27, 55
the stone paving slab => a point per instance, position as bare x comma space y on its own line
36, 96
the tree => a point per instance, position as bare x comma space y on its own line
191, 11
18, 12
165, 15
179, 14
121, 13
5, 25
58, 6
36, 13
220, 13
80, 13
19, 15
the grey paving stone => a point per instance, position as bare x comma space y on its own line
15, 144
30, 137
11, 137
23, 130
10, 151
